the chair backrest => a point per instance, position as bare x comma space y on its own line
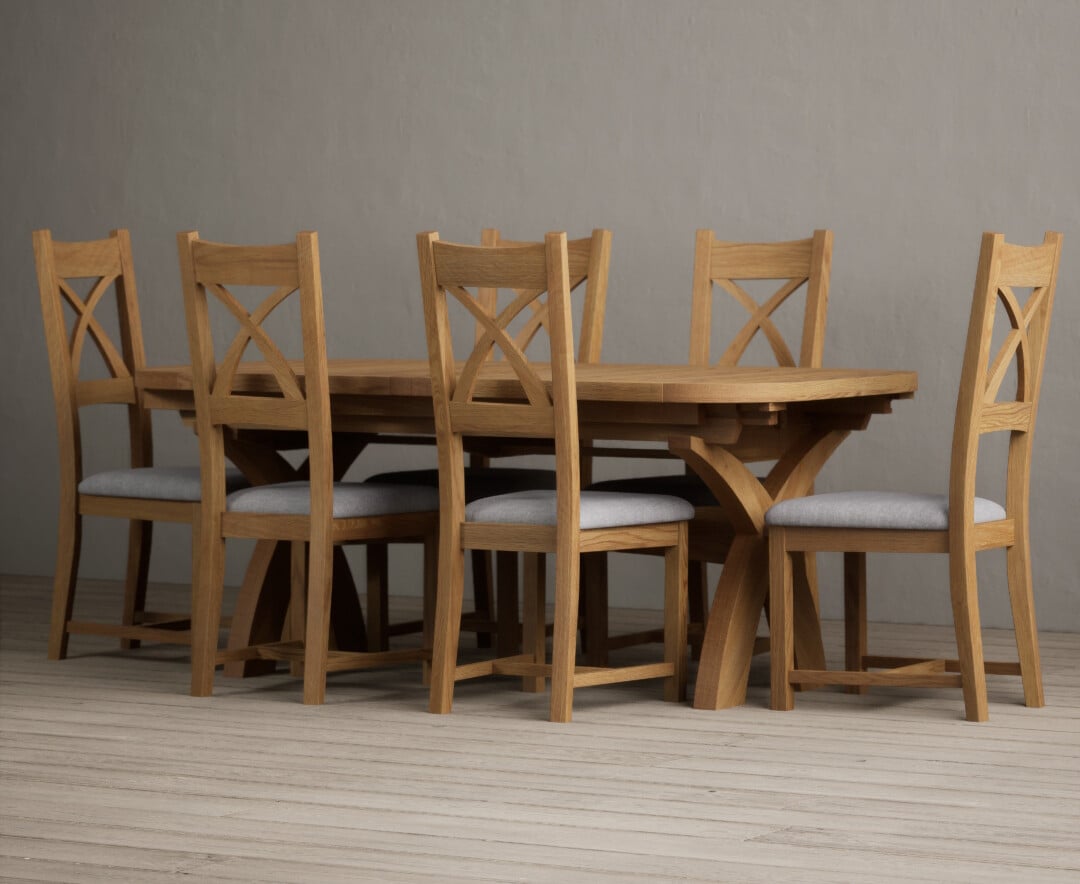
1003, 267
210, 270
447, 272
109, 264
804, 261
588, 263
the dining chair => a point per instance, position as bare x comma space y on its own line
564, 521
958, 524
141, 492
311, 515
800, 264
495, 585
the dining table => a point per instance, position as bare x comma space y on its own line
719, 420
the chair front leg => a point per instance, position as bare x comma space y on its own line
781, 626
855, 616
140, 533
675, 614
377, 562
508, 628
534, 625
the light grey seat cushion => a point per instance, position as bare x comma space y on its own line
351, 499
156, 483
479, 481
599, 509
688, 486
888, 510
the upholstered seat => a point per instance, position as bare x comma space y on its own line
352, 500
599, 509
479, 481
886, 510
155, 483
687, 486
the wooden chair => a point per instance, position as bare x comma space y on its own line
316, 514
564, 521
959, 524
141, 493
800, 263
589, 259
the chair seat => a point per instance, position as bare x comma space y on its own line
599, 509
479, 481
352, 500
156, 483
884, 510
688, 486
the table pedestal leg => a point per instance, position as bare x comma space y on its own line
264, 599
733, 621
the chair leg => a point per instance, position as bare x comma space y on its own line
564, 642
781, 627
317, 632
534, 625
963, 589
675, 614
295, 625
508, 626
431, 582
1022, 600
483, 593
207, 587
697, 580
447, 619
854, 615
594, 590
806, 623
378, 596
140, 534
68, 544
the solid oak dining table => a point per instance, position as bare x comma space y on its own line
717, 419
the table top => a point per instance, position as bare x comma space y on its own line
604, 382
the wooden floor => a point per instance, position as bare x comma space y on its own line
110, 772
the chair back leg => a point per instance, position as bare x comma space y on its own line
1018, 564
140, 534
68, 545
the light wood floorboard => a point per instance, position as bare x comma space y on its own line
109, 771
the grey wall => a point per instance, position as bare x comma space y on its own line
908, 128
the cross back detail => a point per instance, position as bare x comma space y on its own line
1027, 321
494, 337
795, 264
578, 254
1005, 267
103, 262
448, 272
586, 257
220, 269
251, 331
